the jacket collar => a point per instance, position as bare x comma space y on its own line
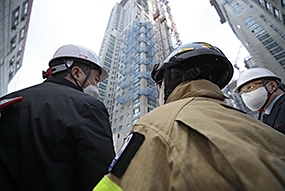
63, 81
196, 88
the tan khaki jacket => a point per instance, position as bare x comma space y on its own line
197, 142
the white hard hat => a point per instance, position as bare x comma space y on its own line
78, 52
252, 74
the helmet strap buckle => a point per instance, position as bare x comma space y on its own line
193, 73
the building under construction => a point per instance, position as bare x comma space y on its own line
139, 34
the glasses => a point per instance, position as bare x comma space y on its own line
249, 87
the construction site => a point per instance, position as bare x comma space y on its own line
139, 34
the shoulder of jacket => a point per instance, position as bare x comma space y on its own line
161, 119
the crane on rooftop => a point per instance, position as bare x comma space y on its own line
173, 24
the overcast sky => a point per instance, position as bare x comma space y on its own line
57, 22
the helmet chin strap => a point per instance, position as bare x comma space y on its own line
69, 71
269, 94
86, 78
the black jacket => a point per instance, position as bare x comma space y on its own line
56, 138
276, 119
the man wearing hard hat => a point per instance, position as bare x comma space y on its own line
58, 137
262, 90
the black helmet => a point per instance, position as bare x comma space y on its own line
197, 58
192, 61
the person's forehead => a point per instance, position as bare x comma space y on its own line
252, 81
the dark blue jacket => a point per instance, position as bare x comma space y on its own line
276, 119
56, 138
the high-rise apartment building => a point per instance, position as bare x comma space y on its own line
260, 26
137, 36
14, 23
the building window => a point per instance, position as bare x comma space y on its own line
115, 121
151, 102
283, 3
102, 94
264, 37
18, 64
13, 43
279, 56
276, 50
128, 126
108, 60
114, 130
116, 112
121, 118
253, 26
102, 86
260, 33
148, 69
267, 41
247, 20
136, 112
282, 62
25, 9
107, 64
250, 23
284, 18
11, 71
149, 109
120, 128
15, 18
136, 102
277, 13
122, 109
150, 84
137, 84
19, 51
271, 45
22, 33
137, 69
136, 79
268, 6
257, 30
12, 60
134, 121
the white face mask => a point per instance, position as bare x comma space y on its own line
91, 89
254, 100
161, 94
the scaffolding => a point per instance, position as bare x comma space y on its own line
140, 32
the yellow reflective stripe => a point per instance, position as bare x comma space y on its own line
186, 49
107, 185
206, 45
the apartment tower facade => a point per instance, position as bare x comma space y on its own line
260, 26
137, 36
14, 23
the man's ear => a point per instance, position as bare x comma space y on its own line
273, 85
75, 72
